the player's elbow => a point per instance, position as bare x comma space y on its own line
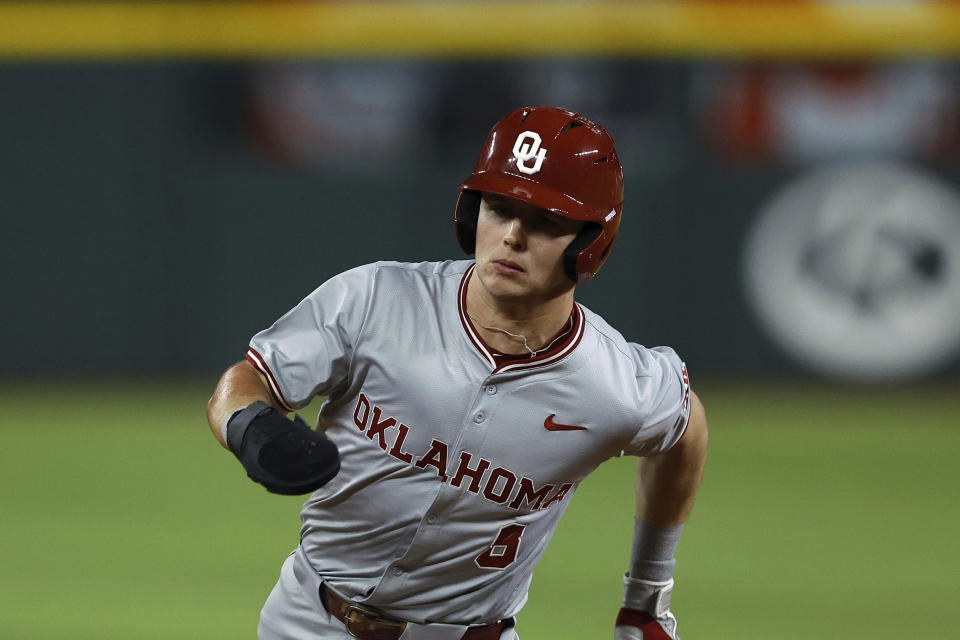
225, 396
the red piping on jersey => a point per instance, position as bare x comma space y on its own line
261, 365
541, 360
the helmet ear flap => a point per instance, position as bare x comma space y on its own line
468, 210
591, 231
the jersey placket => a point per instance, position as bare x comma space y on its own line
464, 476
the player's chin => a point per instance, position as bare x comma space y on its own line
509, 285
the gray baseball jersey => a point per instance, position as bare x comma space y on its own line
457, 463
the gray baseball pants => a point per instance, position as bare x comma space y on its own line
293, 611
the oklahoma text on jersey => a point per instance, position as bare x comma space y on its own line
500, 485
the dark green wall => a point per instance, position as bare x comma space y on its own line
145, 230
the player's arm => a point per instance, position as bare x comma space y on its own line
285, 456
667, 484
666, 488
239, 386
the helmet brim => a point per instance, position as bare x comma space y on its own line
532, 193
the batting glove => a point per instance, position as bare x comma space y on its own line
645, 613
285, 456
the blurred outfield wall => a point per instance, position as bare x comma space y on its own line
177, 175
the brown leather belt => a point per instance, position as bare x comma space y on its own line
368, 624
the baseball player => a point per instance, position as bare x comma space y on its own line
466, 401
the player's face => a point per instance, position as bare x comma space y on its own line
520, 248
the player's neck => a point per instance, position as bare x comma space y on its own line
537, 322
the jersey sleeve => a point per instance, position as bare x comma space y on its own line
664, 388
308, 351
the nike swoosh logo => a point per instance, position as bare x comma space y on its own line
550, 425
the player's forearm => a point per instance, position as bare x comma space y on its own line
239, 386
666, 488
667, 484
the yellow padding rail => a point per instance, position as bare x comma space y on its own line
380, 29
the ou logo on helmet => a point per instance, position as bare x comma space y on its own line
527, 148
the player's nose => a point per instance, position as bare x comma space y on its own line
514, 234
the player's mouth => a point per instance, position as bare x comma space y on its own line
507, 267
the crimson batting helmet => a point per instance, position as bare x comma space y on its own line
556, 160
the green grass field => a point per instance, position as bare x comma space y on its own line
824, 513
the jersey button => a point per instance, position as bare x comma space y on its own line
491, 389
479, 417
397, 571
431, 519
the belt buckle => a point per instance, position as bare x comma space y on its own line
358, 613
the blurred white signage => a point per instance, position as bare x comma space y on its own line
854, 271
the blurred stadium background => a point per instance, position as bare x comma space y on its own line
175, 175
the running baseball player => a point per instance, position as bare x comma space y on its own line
466, 401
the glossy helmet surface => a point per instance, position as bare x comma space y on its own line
556, 160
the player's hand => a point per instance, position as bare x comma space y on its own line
645, 614
285, 456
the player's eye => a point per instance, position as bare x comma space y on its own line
546, 224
